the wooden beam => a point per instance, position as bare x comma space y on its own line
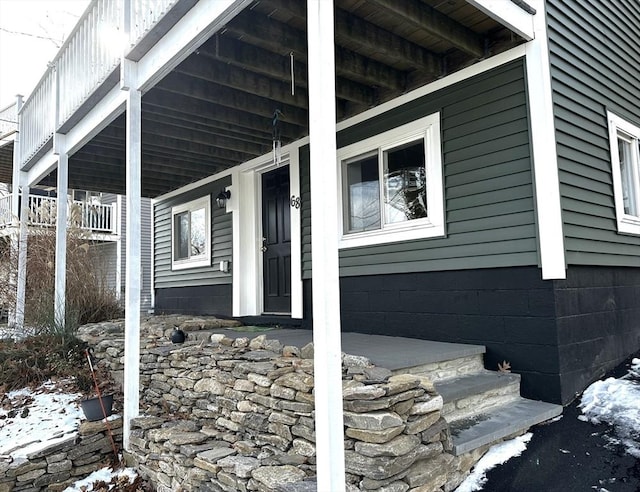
187, 104
258, 60
349, 28
182, 145
283, 39
223, 96
205, 138
427, 18
214, 128
206, 68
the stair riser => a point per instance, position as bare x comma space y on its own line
439, 371
487, 401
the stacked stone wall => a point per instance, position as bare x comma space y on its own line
237, 414
59, 465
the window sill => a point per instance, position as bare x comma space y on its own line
395, 235
185, 264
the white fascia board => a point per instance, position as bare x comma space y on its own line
545, 157
197, 25
509, 15
101, 115
42, 168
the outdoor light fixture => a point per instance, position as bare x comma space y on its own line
222, 198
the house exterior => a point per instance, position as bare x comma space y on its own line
463, 172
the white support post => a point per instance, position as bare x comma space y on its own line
16, 316
324, 246
62, 214
21, 278
132, 247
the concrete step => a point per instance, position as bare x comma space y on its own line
510, 419
455, 366
468, 395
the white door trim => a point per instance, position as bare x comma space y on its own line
248, 295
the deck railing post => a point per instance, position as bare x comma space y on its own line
324, 248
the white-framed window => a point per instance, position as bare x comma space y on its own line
392, 186
191, 234
624, 139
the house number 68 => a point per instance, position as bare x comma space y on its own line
295, 201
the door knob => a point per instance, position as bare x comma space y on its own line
264, 246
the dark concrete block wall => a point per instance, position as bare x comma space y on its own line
598, 323
201, 299
508, 310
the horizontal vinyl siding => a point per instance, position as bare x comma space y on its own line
221, 239
145, 256
490, 219
594, 68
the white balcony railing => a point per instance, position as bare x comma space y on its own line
5, 210
8, 120
95, 218
89, 55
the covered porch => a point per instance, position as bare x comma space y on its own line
220, 92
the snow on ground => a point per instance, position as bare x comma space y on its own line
31, 420
615, 402
497, 455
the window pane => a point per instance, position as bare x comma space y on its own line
629, 192
405, 183
363, 188
198, 235
181, 228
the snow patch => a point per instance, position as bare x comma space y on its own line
497, 455
615, 402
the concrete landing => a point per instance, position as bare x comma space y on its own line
384, 351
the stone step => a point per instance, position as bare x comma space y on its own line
510, 419
475, 393
456, 366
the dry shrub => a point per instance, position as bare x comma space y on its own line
88, 297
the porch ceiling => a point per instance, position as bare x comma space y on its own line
215, 109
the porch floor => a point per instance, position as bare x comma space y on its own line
392, 353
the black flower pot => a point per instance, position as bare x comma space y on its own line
93, 410
178, 336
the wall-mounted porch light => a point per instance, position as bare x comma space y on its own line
222, 198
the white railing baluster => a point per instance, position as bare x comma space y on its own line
5, 211
86, 59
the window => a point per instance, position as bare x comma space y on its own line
625, 161
392, 186
191, 234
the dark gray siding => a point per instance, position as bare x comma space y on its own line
490, 218
145, 245
594, 68
221, 238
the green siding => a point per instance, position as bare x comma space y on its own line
594, 54
221, 239
490, 218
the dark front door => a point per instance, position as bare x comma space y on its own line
276, 232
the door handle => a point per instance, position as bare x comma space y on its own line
264, 247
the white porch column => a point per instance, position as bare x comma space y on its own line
21, 277
16, 316
132, 247
324, 245
62, 213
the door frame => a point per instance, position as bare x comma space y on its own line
247, 271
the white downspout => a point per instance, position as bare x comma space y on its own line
324, 246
